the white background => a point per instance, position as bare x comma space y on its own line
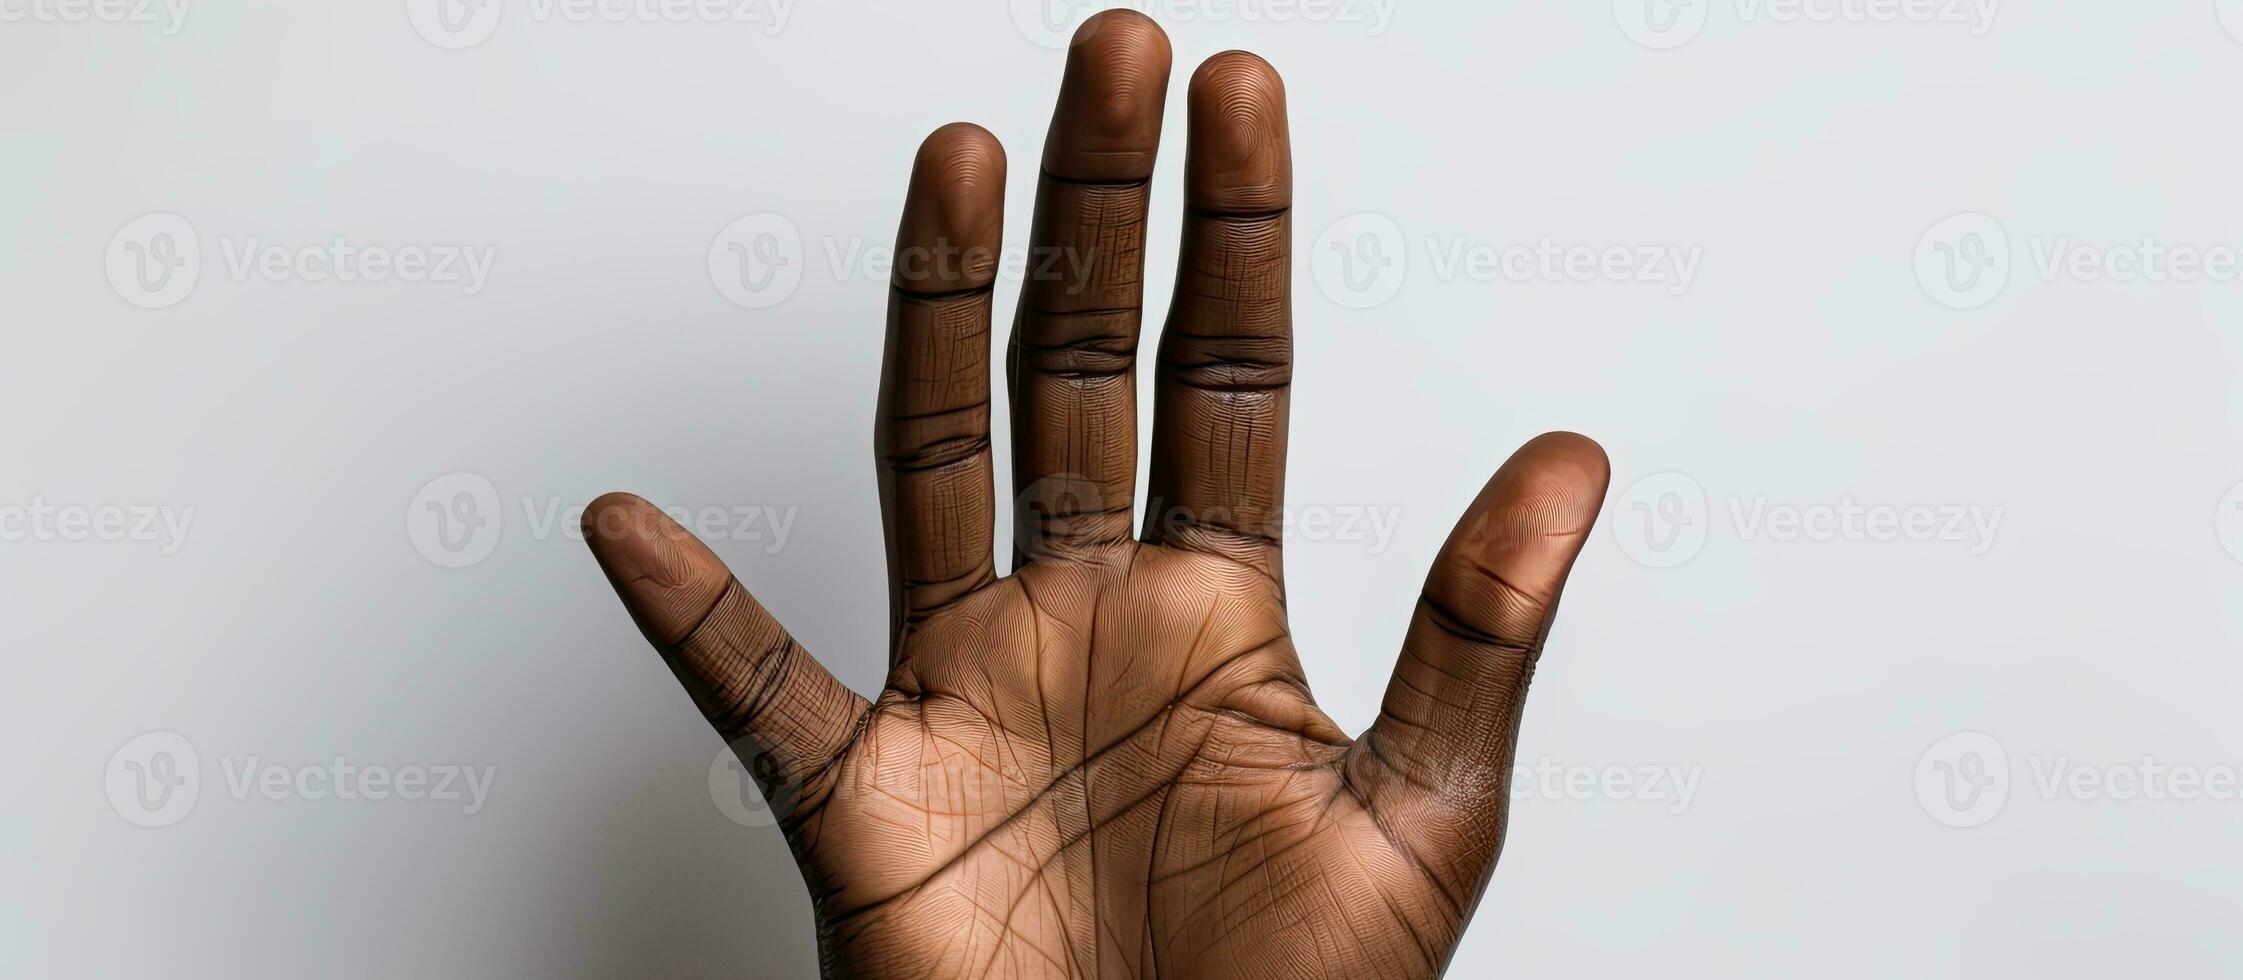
1806, 366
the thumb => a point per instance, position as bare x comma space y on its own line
763, 693
1436, 766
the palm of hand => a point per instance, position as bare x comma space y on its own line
1109, 770
1108, 763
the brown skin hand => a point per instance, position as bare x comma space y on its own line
1108, 764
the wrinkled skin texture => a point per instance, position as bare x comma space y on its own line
1108, 764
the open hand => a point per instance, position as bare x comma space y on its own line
1108, 763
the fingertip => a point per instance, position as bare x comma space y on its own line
1576, 454
1108, 121
665, 576
958, 182
1237, 67
1102, 26
1535, 513
1550, 489
953, 216
608, 514
1124, 41
1240, 154
962, 158
623, 529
